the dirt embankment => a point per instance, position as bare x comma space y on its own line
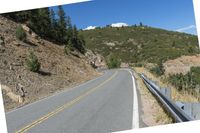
58, 71
181, 64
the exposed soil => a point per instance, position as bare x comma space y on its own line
181, 65
58, 70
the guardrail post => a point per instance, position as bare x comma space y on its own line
166, 92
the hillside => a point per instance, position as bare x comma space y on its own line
140, 43
58, 70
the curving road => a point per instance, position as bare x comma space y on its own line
105, 104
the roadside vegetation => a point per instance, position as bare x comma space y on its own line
189, 82
113, 62
177, 95
158, 70
32, 62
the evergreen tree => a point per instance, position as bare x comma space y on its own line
40, 21
75, 32
141, 24
21, 16
53, 19
54, 26
69, 29
62, 25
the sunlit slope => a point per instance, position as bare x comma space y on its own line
140, 43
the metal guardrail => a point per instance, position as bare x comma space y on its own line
178, 114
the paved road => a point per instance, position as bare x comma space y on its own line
104, 104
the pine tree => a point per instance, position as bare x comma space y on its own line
78, 41
45, 21
62, 25
40, 21
53, 19
69, 29
75, 32
141, 24
21, 16
54, 26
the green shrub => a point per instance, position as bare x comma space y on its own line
158, 70
195, 74
113, 62
33, 63
138, 65
67, 49
191, 80
20, 33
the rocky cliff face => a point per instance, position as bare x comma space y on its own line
95, 60
58, 70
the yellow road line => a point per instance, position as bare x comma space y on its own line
65, 106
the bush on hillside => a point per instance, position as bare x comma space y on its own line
20, 33
33, 63
137, 65
191, 80
158, 69
113, 62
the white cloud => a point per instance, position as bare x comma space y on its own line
186, 28
90, 28
119, 25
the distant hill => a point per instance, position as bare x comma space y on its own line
140, 43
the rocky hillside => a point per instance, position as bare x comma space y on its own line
58, 70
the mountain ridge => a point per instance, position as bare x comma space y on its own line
133, 44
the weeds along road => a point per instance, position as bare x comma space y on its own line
105, 104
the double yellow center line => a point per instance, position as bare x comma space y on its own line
65, 106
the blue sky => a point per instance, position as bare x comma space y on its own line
167, 14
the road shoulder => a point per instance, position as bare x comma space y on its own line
152, 113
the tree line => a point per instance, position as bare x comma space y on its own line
51, 25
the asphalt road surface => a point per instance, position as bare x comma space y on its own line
105, 104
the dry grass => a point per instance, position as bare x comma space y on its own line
176, 95
153, 113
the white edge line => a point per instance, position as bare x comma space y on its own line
55, 94
135, 119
